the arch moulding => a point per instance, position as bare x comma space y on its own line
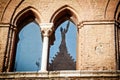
14, 30
73, 15
34, 11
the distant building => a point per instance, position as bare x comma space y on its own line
63, 60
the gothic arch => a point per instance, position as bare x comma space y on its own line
26, 13
64, 13
24, 17
60, 16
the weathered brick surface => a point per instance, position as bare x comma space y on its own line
3, 4
95, 24
87, 9
3, 40
96, 47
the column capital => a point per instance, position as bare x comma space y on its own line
46, 29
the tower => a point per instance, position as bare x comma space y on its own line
63, 60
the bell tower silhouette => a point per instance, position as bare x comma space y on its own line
63, 60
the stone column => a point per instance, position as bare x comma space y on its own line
46, 29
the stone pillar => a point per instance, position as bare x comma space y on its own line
46, 29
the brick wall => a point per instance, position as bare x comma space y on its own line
96, 43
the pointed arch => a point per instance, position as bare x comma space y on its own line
24, 17
64, 13
28, 12
59, 18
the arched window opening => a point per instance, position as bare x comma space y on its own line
29, 48
63, 51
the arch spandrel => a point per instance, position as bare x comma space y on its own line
111, 9
9, 10
13, 8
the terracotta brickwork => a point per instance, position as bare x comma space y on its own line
3, 41
97, 22
85, 10
97, 47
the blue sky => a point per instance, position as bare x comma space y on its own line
29, 47
70, 40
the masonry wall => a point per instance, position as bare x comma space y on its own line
95, 24
97, 58
3, 42
97, 46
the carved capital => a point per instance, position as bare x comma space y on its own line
46, 29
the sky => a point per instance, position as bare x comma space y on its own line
70, 40
29, 47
